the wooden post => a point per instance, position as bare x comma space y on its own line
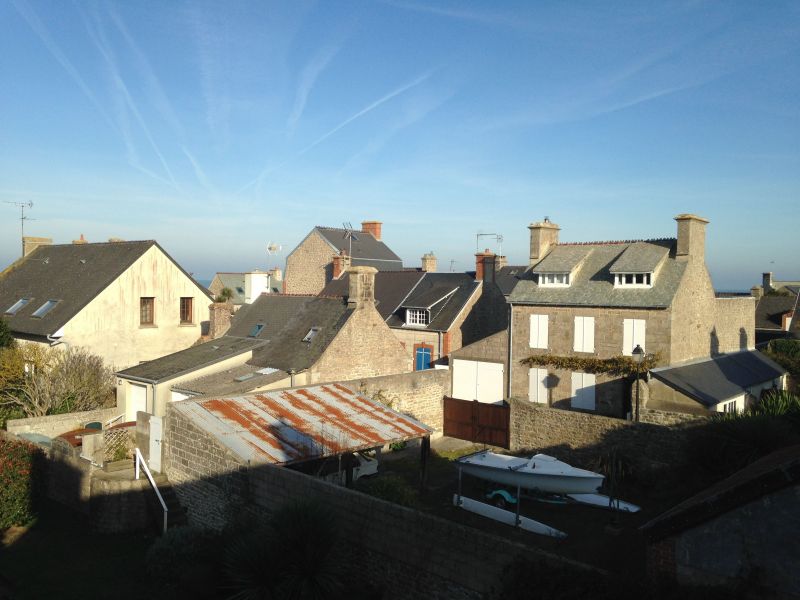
424, 447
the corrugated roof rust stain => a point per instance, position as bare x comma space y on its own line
342, 388
359, 408
341, 423
243, 418
362, 404
300, 425
357, 429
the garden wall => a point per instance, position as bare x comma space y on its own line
55, 425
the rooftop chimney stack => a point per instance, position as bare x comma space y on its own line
544, 235
766, 282
362, 286
341, 262
29, 244
691, 238
429, 262
276, 273
82, 240
372, 227
756, 292
484, 264
500, 262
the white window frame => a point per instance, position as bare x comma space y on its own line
729, 407
634, 280
417, 317
538, 337
537, 385
584, 334
634, 333
554, 279
583, 391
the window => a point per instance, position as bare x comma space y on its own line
256, 330
729, 407
311, 334
584, 334
44, 309
17, 305
583, 391
422, 356
537, 385
416, 316
538, 338
147, 311
187, 314
633, 280
554, 279
633, 334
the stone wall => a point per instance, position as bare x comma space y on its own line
583, 437
735, 324
417, 394
309, 266
448, 561
55, 425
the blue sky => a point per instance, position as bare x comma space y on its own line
217, 127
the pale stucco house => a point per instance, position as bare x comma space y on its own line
128, 302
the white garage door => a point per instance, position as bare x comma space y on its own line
137, 400
475, 380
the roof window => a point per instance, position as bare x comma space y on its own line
256, 330
311, 334
44, 309
554, 279
633, 280
17, 305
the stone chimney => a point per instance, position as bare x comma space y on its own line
373, 227
29, 244
691, 238
482, 260
429, 262
544, 235
276, 273
219, 319
341, 262
362, 286
82, 240
500, 262
757, 291
766, 282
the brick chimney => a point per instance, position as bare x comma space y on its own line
219, 319
691, 238
544, 235
429, 262
81, 240
372, 227
341, 262
362, 286
766, 282
482, 260
29, 244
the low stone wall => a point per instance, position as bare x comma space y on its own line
119, 505
418, 394
659, 439
55, 425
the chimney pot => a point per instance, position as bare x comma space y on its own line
373, 228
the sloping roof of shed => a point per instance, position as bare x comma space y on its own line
719, 378
284, 427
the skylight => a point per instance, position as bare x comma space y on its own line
17, 305
44, 309
311, 333
256, 330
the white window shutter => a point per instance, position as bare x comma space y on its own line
534, 336
627, 337
588, 334
577, 345
538, 334
640, 326
537, 385
543, 331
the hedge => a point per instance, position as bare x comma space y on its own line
20, 470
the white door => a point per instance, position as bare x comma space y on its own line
583, 391
137, 401
475, 380
155, 443
465, 376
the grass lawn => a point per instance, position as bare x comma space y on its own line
58, 556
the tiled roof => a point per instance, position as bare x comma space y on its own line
365, 250
593, 284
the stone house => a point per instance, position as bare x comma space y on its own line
127, 302
247, 287
277, 342
327, 252
742, 530
432, 314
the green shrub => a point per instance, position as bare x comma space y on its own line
389, 487
21, 465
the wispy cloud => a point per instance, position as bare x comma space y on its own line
484, 18
198, 170
308, 77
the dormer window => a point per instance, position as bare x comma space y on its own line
417, 316
17, 305
554, 279
633, 280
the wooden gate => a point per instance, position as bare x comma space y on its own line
477, 421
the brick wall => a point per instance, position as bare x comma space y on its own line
310, 266
55, 425
417, 394
448, 560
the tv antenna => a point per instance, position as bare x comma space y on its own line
452, 262
22, 219
273, 248
497, 236
349, 235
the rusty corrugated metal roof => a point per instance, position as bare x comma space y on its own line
287, 426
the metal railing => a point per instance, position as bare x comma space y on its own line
140, 461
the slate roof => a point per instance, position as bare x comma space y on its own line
72, 274
507, 277
272, 311
562, 259
769, 474
237, 380
717, 379
234, 282
391, 287
194, 358
453, 289
365, 251
640, 257
770, 311
593, 284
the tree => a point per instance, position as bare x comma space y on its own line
43, 380
224, 295
6, 339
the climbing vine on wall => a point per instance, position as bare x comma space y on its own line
618, 366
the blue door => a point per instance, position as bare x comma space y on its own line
422, 358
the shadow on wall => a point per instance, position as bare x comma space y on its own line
488, 315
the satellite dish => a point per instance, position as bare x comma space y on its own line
273, 248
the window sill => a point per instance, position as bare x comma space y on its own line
150, 326
187, 324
